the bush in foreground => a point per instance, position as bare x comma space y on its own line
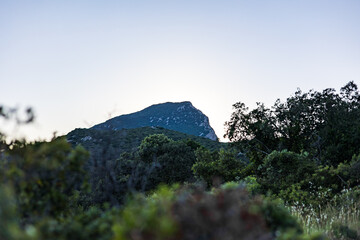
192, 213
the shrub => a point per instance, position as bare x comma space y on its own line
147, 218
10, 228
44, 175
224, 165
342, 231
174, 159
282, 169
91, 224
192, 213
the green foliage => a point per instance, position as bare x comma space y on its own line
9, 219
115, 167
224, 214
174, 159
91, 224
224, 165
342, 231
338, 219
282, 169
44, 175
304, 151
324, 124
192, 213
152, 147
110, 144
327, 182
279, 219
354, 170
206, 167
147, 218
251, 185
298, 180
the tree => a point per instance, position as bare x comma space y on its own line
282, 169
175, 159
152, 147
325, 124
224, 164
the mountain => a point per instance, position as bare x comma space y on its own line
180, 116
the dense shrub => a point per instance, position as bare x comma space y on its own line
224, 165
174, 159
10, 228
339, 218
192, 213
158, 159
44, 175
147, 218
91, 224
282, 169
296, 179
354, 170
342, 231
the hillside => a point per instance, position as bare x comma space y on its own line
109, 144
182, 117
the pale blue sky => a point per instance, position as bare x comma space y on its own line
77, 62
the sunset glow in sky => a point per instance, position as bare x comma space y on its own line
79, 62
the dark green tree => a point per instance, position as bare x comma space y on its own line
282, 169
325, 124
224, 165
174, 159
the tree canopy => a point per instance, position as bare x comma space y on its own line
324, 124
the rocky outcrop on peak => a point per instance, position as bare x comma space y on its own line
179, 116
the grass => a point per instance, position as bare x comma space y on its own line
339, 219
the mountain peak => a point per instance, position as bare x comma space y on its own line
178, 116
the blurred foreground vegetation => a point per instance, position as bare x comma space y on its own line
292, 171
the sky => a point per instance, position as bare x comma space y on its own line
78, 63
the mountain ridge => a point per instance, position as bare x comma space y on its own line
178, 116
